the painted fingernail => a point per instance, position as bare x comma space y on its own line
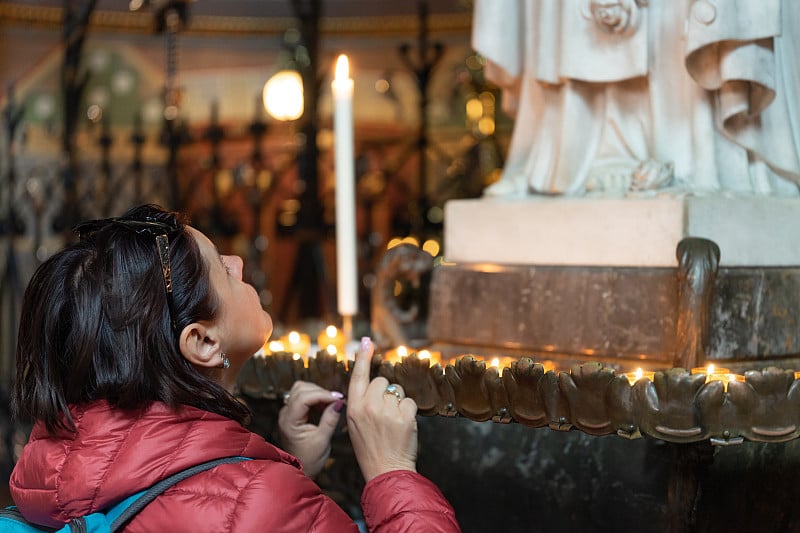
338, 406
366, 343
337, 394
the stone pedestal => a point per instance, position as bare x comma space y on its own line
599, 279
639, 232
621, 316
651, 282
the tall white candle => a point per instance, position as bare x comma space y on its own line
346, 265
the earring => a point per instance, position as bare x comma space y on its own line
226, 363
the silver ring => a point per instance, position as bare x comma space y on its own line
286, 397
393, 389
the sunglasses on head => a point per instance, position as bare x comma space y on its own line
146, 225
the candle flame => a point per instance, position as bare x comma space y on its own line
424, 354
496, 362
275, 346
639, 374
296, 356
342, 68
331, 331
294, 337
402, 351
710, 369
331, 349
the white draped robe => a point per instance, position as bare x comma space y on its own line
709, 87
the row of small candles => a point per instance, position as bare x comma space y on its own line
712, 372
334, 342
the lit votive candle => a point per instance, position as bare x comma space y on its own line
635, 376
296, 342
499, 363
548, 365
710, 370
397, 355
332, 336
433, 357
797, 375
275, 347
725, 379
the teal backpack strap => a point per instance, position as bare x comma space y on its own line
11, 520
118, 515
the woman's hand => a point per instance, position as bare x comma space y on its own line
381, 420
309, 442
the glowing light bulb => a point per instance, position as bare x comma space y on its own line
283, 95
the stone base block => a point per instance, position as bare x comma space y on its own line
634, 232
610, 314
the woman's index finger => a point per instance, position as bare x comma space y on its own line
359, 377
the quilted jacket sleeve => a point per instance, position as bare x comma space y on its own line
404, 501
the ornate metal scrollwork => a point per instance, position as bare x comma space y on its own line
698, 261
392, 323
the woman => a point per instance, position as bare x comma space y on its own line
130, 341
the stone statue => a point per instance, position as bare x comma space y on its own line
613, 96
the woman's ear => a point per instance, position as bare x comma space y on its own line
199, 344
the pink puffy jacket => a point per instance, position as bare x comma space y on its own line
116, 453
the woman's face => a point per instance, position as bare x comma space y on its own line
244, 325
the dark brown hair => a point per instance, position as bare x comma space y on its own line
96, 324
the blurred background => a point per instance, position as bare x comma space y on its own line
223, 110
